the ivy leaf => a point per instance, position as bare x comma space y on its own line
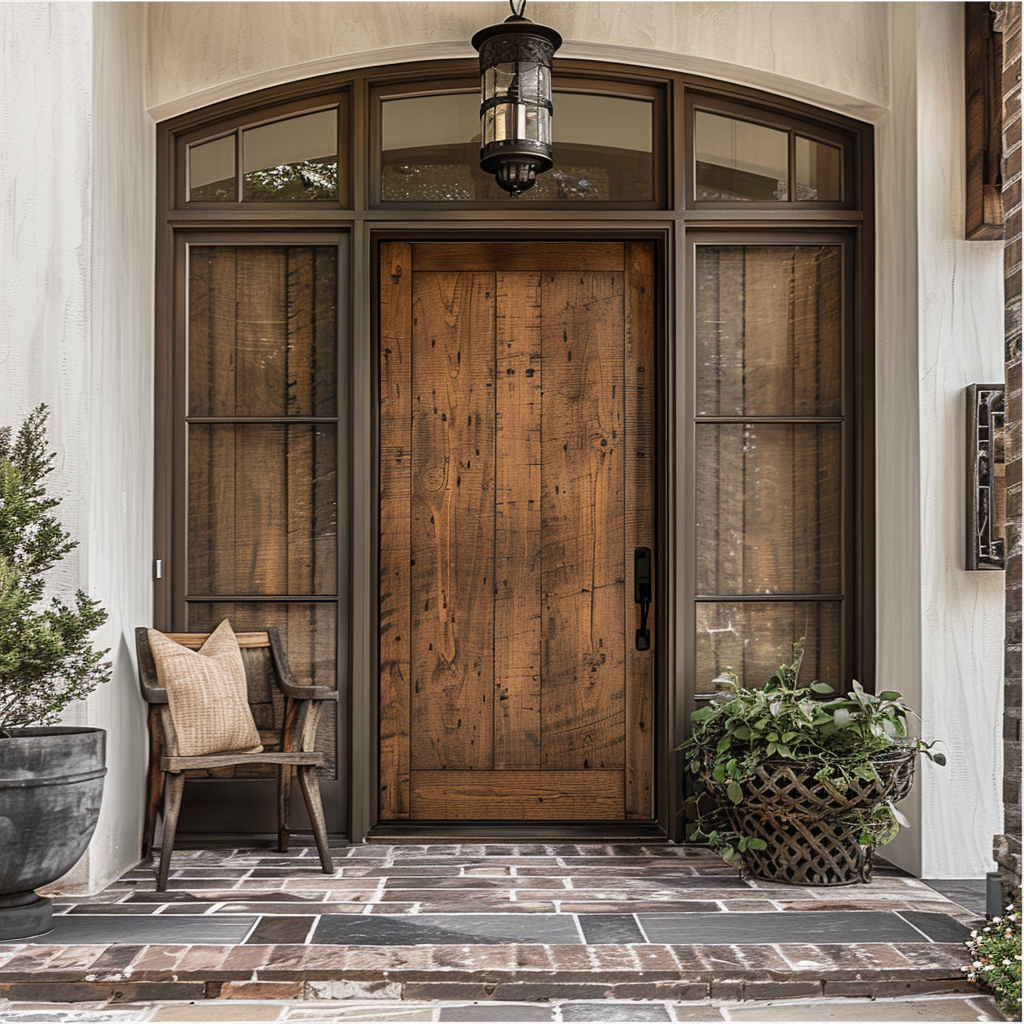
842, 717
822, 688
753, 843
735, 792
898, 815
938, 758
719, 773
889, 695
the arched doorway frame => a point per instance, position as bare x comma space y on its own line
671, 225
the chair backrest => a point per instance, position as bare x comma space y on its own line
266, 697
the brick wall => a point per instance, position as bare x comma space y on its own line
1008, 846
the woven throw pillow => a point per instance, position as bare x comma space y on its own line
207, 694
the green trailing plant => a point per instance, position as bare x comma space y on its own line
835, 738
995, 952
46, 658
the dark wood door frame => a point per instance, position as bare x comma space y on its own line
365, 720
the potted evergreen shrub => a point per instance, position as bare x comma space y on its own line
802, 783
51, 777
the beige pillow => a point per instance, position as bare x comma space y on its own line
207, 694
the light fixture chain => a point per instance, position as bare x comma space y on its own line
517, 10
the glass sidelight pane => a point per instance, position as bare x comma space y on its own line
768, 508
262, 330
739, 160
769, 330
262, 509
211, 171
296, 158
754, 638
603, 150
309, 634
817, 171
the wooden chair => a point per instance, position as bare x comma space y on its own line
287, 716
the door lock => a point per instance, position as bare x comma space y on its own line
642, 594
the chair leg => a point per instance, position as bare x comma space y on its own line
154, 784
310, 785
174, 786
284, 806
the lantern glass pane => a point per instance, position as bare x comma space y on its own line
533, 122
531, 84
504, 77
603, 147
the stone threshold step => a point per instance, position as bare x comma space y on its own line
509, 972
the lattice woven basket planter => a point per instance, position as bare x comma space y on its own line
809, 824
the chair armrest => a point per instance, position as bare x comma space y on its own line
286, 681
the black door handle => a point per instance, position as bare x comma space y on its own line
642, 594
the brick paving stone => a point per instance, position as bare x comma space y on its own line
281, 929
869, 1010
208, 1014
878, 956
933, 955
613, 1012
378, 1010
480, 1013
281, 963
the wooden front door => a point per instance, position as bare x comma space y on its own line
516, 483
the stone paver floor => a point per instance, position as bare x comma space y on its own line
570, 928
918, 1008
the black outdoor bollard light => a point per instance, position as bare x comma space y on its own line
515, 106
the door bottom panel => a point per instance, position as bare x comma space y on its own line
512, 795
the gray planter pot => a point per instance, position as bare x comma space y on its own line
51, 785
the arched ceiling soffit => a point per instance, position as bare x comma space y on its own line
200, 53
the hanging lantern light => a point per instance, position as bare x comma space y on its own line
515, 107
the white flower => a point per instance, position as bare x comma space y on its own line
974, 935
997, 920
976, 964
1007, 962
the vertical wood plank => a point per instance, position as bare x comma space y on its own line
767, 481
452, 527
582, 521
395, 493
260, 331
325, 330
260, 527
299, 352
517, 591
639, 462
300, 474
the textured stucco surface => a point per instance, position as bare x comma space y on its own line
833, 54
960, 298
76, 329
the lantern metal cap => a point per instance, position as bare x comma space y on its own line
515, 24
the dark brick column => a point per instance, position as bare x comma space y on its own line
1007, 847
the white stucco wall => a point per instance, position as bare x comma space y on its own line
76, 329
960, 341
